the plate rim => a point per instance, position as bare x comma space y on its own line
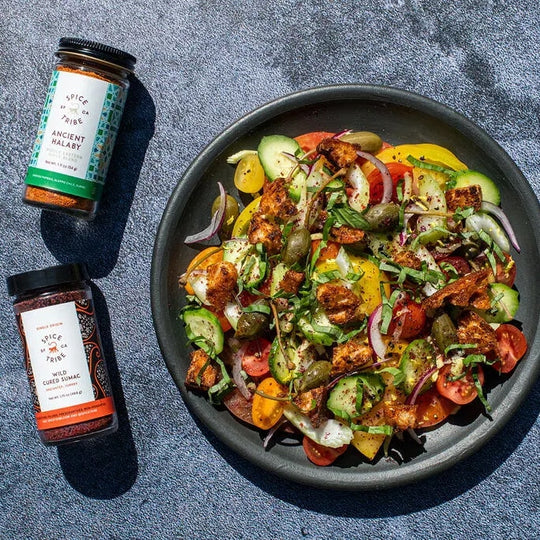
343, 479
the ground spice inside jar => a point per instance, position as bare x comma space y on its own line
78, 127
68, 377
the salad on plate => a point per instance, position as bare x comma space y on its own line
364, 293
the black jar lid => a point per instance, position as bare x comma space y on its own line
48, 277
96, 50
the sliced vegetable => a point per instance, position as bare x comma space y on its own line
458, 387
267, 411
490, 191
255, 358
273, 150
432, 408
309, 141
417, 359
505, 222
202, 260
204, 329
505, 303
215, 223
483, 222
385, 174
512, 346
355, 395
321, 455
249, 174
241, 225
280, 363
331, 433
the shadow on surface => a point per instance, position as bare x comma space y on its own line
97, 243
402, 500
105, 467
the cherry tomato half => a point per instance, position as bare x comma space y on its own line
255, 359
460, 265
433, 408
397, 172
321, 455
238, 405
309, 141
408, 319
460, 391
512, 345
506, 272
266, 411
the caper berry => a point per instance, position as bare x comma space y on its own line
251, 325
231, 213
297, 246
470, 249
443, 332
383, 217
317, 374
368, 141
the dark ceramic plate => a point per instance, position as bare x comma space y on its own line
399, 117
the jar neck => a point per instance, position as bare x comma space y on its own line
80, 62
51, 291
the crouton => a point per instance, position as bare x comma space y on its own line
291, 282
464, 197
313, 404
202, 373
339, 303
405, 257
346, 235
460, 292
340, 153
275, 200
473, 329
350, 356
400, 415
222, 277
265, 231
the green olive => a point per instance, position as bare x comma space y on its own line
368, 141
443, 332
251, 325
231, 213
297, 246
383, 217
317, 374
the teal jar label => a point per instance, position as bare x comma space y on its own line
76, 135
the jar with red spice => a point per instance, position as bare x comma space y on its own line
64, 360
78, 127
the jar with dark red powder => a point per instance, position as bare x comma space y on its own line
63, 354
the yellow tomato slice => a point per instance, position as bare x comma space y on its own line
249, 174
266, 412
241, 225
203, 260
424, 151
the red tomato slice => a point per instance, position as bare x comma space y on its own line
309, 141
255, 359
329, 252
506, 272
433, 408
408, 319
239, 406
459, 263
512, 345
396, 170
321, 455
463, 390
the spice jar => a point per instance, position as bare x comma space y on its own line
64, 359
78, 127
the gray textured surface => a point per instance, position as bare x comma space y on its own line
201, 65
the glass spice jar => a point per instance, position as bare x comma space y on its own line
64, 360
78, 127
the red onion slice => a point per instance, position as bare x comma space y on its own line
374, 333
505, 222
236, 372
215, 223
385, 173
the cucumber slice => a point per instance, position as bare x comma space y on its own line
355, 395
505, 304
417, 358
278, 273
271, 155
235, 251
319, 330
490, 192
431, 193
204, 328
253, 270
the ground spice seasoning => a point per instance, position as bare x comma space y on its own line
78, 127
66, 369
